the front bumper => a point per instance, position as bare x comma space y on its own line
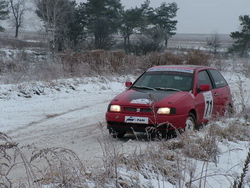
116, 121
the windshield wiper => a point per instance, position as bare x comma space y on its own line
166, 89
143, 87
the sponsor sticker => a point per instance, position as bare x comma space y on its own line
133, 119
171, 69
141, 101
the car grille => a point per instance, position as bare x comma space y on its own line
129, 109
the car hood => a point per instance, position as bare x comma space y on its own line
146, 97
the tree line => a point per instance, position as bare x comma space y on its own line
101, 24
106, 24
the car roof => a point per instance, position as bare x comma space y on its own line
186, 68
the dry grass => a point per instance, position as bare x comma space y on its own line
13, 163
232, 130
29, 166
22, 66
173, 160
58, 166
20, 44
198, 57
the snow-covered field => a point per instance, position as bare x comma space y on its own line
71, 114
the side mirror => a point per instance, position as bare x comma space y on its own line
203, 88
128, 84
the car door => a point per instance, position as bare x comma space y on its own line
206, 102
222, 89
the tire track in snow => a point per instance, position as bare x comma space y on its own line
19, 130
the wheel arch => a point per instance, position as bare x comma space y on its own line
192, 111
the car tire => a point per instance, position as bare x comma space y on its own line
157, 135
163, 134
190, 123
117, 134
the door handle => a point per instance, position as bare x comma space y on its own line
216, 94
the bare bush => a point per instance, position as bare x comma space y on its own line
246, 68
172, 59
14, 65
165, 58
55, 166
112, 158
116, 60
154, 163
15, 43
198, 57
214, 43
241, 98
233, 130
200, 147
13, 164
99, 62
217, 63
58, 166
23, 66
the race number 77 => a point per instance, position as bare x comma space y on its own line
208, 98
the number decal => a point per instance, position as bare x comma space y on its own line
208, 98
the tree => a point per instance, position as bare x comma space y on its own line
58, 16
157, 26
103, 19
162, 17
3, 12
241, 38
18, 10
130, 20
145, 21
150, 41
213, 42
77, 28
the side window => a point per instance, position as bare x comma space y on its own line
219, 81
203, 78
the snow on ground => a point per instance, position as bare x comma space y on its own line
21, 106
71, 113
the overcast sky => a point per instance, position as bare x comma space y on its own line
203, 16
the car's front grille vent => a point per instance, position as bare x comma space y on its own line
128, 109
146, 110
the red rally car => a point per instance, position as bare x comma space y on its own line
169, 98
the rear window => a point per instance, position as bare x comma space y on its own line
219, 80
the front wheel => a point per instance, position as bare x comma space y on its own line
190, 123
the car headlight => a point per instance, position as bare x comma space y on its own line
115, 108
166, 110
163, 111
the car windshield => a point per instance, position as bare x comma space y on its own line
165, 80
